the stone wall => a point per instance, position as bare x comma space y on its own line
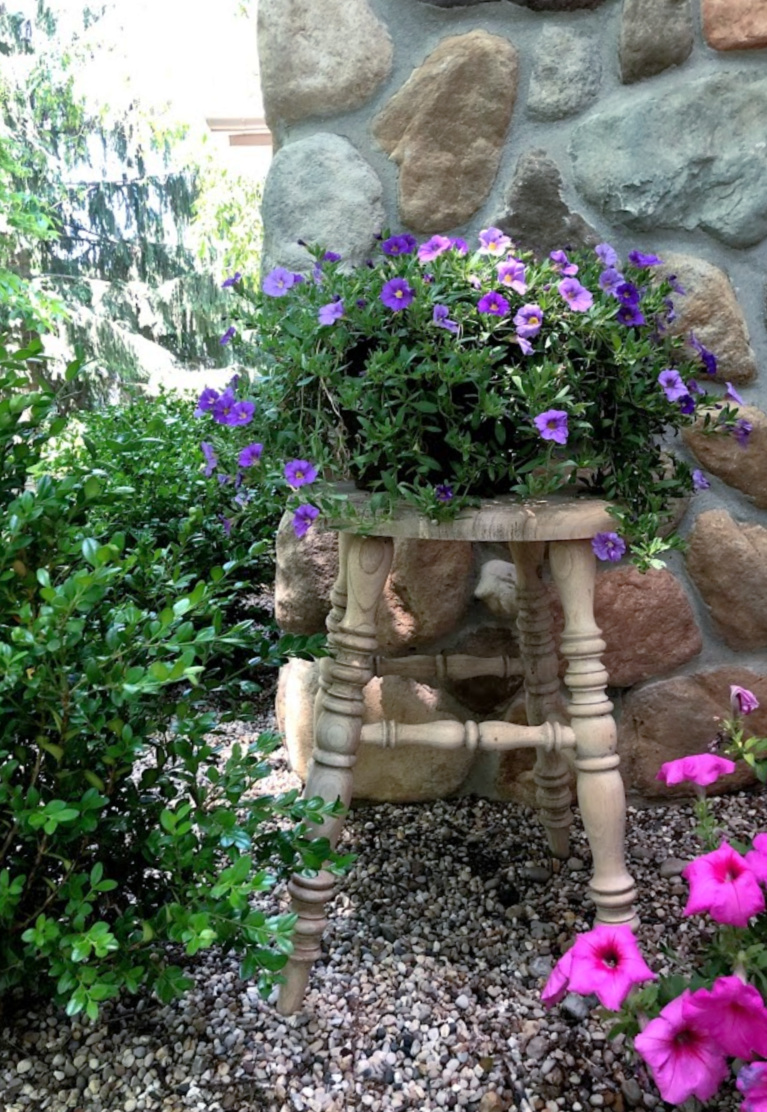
563, 122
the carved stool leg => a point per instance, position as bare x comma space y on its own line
601, 794
539, 656
364, 566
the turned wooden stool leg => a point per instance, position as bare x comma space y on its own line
601, 795
539, 656
364, 566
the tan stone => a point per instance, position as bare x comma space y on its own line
742, 467
647, 623
445, 128
710, 309
678, 717
319, 59
735, 24
426, 594
306, 570
407, 774
728, 563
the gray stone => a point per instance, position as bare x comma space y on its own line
445, 128
319, 59
537, 216
577, 1007
534, 5
632, 1092
672, 867
685, 158
566, 74
655, 34
320, 190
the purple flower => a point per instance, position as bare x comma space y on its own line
228, 411
278, 282
673, 384
637, 258
303, 518
707, 357
563, 264
687, 403
361, 303
227, 524
627, 293
732, 395
493, 242
330, 313
528, 321
606, 254
250, 454
441, 318
224, 479
443, 492
743, 701
433, 247
577, 296
460, 246
525, 345
331, 257
299, 472
493, 303
552, 425
211, 459
630, 314
398, 245
672, 281
610, 279
742, 431
397, 294
231, 281
228, 336
608, 546
512, 274
206, 401
695, 388
699, 480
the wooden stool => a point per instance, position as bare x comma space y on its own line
567, 526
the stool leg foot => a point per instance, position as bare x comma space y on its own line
552, 773
364, 564
601, 794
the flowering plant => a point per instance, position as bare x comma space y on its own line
439, 375
686, 1029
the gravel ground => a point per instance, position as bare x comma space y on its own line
427, 996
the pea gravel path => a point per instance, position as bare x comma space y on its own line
427, 996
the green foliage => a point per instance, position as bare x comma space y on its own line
405, 404
127, 826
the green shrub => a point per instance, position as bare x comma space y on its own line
126, 824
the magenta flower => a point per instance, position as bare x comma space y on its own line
528, 320
397, 294
577, 296
637, 258
231, 281
399, 245
608, 546
685, 1060
552, 425
732, 395
493, 242
630, 315
756, 858
441, 318
700, 768
443, 492
228, 411
752, 1082
606, 254
722, 884
211, 459
673, 384
733, 1014
206, 401
494, 304
512, 274
742, 700
610, 279
700, 480
303, 519
563, 264
433, 247
278, 282
558, 984
607, 962
299, 472
250, 455
330, 313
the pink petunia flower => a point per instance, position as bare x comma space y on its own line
733, 1014
722, 884
607, 962
557, 986
752, 1082
756, 858
685, 1060
700, 768
742, 700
